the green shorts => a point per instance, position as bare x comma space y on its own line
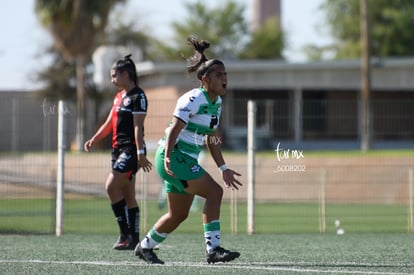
184, 167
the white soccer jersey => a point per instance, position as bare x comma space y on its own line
201, 117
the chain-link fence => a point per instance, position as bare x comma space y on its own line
296, 189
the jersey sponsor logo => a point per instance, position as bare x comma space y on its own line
124, 109
204, 109
185, 109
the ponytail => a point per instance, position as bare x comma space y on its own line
198, 62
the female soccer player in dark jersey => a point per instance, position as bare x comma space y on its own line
126, 122
194, 124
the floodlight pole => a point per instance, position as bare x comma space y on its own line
365, 106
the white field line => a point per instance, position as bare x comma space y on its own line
268, 266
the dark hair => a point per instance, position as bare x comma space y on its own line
126, 64
198, 62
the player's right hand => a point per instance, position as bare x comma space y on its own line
88, 144
167, 164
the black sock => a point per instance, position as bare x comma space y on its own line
133, 222
119, 211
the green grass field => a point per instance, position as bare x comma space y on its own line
287, 241
93, 215
366, 253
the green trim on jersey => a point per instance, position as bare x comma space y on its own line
199, 129
206, 95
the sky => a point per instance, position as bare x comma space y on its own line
22, 39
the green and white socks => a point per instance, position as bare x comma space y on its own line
152, 239
212, 235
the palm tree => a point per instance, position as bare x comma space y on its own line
75, 26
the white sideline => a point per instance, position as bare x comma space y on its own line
268, 266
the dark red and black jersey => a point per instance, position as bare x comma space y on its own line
126, 105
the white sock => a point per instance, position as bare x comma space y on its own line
212, 235
212, 240
152, 239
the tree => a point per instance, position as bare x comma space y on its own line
58, 78
266, 42
224, 27
75, 25
130, 33
392, 24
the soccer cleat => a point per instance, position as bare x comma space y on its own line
220, 254
123, 243
133, 243
147, 255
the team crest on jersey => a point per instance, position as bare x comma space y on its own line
127, 101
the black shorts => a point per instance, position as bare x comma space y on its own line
125, 161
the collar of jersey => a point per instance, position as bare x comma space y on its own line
206, 95
127, 93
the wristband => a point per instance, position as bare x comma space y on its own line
223, 168
141, 152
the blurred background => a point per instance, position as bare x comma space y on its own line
330, 79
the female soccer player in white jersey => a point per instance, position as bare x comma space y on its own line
194, 123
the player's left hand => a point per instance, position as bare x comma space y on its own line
144, 163
229, 179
